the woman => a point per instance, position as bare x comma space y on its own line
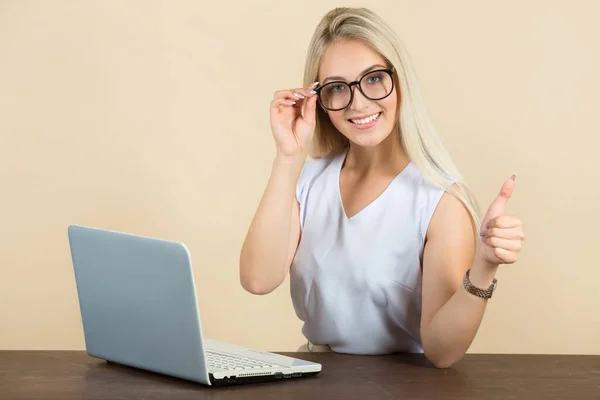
379, 232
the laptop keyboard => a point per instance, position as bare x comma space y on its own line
230, 362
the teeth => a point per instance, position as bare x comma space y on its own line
365, 120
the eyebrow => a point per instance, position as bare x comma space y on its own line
341, 78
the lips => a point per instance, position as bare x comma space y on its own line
365, 119
365, 124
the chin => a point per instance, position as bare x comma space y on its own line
367, 140
372, 137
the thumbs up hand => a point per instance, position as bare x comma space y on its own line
501, 234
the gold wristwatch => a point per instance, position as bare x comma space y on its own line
484, 293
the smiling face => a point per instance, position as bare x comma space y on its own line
364, 122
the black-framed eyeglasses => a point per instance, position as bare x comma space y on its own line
374, 85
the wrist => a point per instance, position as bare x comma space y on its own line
290, 160
289, 165
482, 272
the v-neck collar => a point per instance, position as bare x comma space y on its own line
340, 162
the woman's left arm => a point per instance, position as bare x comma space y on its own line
451, 315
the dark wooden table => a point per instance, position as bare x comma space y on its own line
75, 375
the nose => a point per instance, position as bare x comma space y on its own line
359, 101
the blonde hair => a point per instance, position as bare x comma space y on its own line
414, 127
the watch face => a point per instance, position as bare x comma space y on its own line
493, 285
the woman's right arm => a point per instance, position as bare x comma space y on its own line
272, 239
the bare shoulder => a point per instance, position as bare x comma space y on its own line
451, 218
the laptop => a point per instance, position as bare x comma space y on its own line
138, 306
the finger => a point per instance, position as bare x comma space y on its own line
310, 111
290, 97
282, 102
506, 244
311, 89
505, 256
506, 190
296, 94
286, 95
504, 221
504, 233
499, 204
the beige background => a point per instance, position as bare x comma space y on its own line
152, 118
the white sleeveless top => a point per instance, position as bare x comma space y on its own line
356, 282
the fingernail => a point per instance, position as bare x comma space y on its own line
311, 91
298, 95
290, 102
514, 177
314, 85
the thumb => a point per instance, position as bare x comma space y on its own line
498, 206
310, 111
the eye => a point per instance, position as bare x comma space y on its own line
374, 78
335, 88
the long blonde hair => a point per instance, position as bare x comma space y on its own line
414, 127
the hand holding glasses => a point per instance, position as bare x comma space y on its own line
293, 131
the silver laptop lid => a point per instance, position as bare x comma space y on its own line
138, 301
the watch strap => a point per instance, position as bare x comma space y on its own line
479, 292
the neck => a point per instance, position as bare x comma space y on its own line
387, 157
